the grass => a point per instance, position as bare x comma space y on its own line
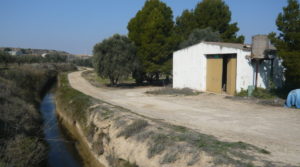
172, 91
116, 162
98, 81
134, 128
94, 79
242, 93
273, 97
259, 93
263, 93
172, 141
73, 101
107, 114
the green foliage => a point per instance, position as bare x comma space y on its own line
199, 35
5, 58
172, 91
72, 101
242, 93
94, 79
7, 49
55, 58
262, 93
259, 93
134, 128
288, 42
21, 139
115, 58
83, 62
185, 24
209, 13
152, 32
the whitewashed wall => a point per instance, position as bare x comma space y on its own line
189, 66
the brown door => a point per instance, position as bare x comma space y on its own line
231, 76
214, 74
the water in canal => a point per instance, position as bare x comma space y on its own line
62, 151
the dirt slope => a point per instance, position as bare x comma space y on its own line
273, 128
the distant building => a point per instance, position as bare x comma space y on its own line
15, 52
44, 55
227, 67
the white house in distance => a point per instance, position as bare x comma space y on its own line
15, 52
227, 67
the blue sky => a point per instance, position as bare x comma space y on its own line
76, 26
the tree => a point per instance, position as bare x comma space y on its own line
151, 30
7, 49
185, 24
114, 58
199, 35
209, 13
6, 58
56, 57
288, 42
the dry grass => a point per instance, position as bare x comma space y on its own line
172, 91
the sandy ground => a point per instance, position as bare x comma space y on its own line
276, 129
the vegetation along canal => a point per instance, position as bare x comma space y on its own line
62, 151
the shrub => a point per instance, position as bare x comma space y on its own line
242, 93
262, 93
134, 128
172, 91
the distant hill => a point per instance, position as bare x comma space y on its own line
34, 51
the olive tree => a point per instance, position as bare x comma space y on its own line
115, 58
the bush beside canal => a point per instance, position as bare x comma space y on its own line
21, 87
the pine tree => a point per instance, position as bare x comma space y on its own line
288, 42
199, 35
151, 30
209, 13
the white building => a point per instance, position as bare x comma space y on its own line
223, 68
15, 52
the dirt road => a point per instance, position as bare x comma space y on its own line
276, 129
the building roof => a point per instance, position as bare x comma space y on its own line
230, 45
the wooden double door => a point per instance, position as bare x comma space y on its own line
221, 73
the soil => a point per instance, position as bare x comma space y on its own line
276, 129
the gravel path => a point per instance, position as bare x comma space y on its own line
276, 129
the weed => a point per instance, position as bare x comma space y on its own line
119, 122
134, 128
242, 93
78, 102
107, 114
123, 163
262, 93
157, 144
172, 91
94, 79
194, 159
169, 157
259, 93
98, 145
264, 151
90, 131
179, 128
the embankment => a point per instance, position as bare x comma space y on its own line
21, 88
116, 137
